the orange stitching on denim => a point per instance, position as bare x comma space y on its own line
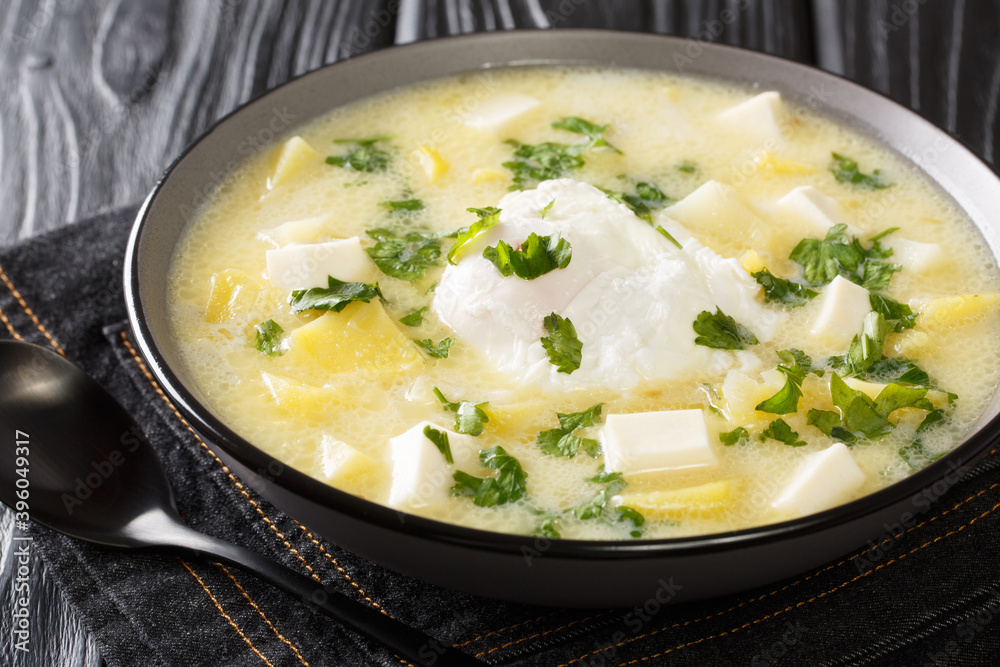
797, 582
516, 625
333, 560
816, 597
9, 326
225, 615
225, 468
27, 311
262, 615
538, 634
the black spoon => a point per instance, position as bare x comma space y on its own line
92, 475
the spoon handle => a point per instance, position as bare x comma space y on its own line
407, 642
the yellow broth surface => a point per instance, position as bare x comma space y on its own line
330, 411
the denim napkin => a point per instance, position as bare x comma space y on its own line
924, 593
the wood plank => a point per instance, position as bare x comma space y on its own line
941, 59
101, 96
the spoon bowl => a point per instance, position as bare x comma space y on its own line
77, 462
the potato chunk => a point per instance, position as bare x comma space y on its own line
431, 162
298, 399
362, 337
289, 160
961, 309
705, 501
234, 295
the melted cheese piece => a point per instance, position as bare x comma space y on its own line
630, 293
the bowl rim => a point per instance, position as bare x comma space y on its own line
922, 483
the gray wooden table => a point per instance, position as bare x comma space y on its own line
97, 96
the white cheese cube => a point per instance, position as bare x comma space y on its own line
823, 480
650, 441
711, 213
304, 266
420, 474
497, 111
757, 119
813, 211
913, 255
843, 306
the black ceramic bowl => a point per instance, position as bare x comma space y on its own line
556, 572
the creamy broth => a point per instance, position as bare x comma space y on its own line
309, 408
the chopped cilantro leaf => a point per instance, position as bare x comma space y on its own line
406, 257
403, 206
268, 338
914, 453
780, 430
469, 416
846, 170
488, 217
721, 332
509, 485
613, 484
414, 319
829, 422
366, 157
545, 209
866, 348
562, 442
899, 314
730, 438
859, 414
593, 131
547, 528
687, 167
797, 366
336, 297
440, 440
839, 254
779, 290
668, 236
535, 257
439, 351
647, 198
548, 160
562, 347
625, 513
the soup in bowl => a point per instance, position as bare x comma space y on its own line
613, 312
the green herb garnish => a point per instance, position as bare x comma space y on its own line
562, 442
509, 485
439, 351
548, 160
915, 454
839, 254
406, 257
488, 217
469, 416
545, 209
593, 131
647, 198
687, 167
336, 297
414, 319
562, 347
737, 435
268, 338
440, 440
797, 365
535, 257
846, 170
780, 430
779, 290
721, 332
403, 206
366, 157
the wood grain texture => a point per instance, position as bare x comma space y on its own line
98, 96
